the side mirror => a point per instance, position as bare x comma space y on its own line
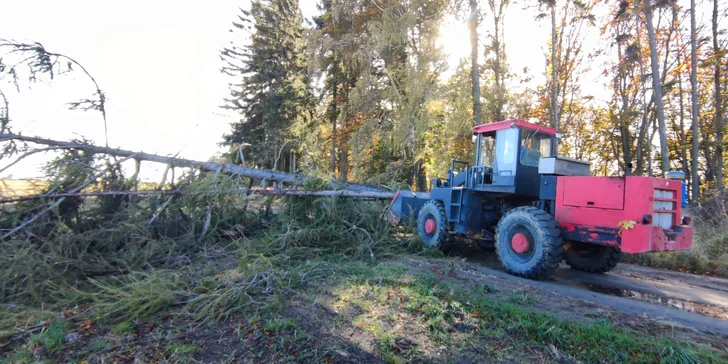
559, 136
474, 138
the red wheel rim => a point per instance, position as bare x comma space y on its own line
430, 226
519, 243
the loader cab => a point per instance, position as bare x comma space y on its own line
507, 154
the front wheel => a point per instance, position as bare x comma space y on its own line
591, 258
529, 243
432, 226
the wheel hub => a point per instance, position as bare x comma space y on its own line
430, 226
520, 243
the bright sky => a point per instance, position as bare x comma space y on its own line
158, 63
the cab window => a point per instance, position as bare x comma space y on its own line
534, 146
506, 150
487, 151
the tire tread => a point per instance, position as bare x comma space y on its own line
444, 242
552, 246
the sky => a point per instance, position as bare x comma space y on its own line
158, 62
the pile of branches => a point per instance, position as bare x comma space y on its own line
93, 235
62, 236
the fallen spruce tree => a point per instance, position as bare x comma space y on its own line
91, 237
346, 189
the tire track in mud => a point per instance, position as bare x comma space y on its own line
684, 305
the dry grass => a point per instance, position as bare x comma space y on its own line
20, 187
709, 254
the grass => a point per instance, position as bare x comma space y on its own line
121, 328
137, 295
181, 353
687, 261
21, 356
439, 303
522, 298
51, 338
378, 296
97, 345
279, 325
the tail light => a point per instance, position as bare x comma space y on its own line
687, 220
647, 219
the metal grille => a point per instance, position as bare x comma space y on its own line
664, 209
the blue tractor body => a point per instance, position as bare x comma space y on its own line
475, 197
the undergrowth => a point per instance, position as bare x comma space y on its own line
709, 253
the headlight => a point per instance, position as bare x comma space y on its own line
647, 219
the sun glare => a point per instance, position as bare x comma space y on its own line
454, 40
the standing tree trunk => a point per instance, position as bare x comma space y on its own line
498, 86
620, 88
498, 68
694, 100
474, 16
682, 146
335, 115
718, 103
657, 88
554, 80
343, 148
645, 104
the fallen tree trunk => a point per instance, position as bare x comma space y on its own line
259, 191
259, 174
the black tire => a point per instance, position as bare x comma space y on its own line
541, 232
440, 237
592, 258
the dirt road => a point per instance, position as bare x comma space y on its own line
679, 300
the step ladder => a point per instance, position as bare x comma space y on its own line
456, 202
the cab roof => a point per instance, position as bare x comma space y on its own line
507, 124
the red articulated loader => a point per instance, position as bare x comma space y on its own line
538, 209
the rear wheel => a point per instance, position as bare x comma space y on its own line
529, 243
591, 258
432, 226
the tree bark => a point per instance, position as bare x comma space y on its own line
498, 86
681, 148
657, 88
241, 191
694, 101
335, 115
646, 104
475, 68
718, 103
620, 89
343, 148
554, 79
498, 68
258, 174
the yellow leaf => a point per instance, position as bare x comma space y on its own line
627, 224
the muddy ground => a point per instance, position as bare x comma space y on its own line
680, 299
